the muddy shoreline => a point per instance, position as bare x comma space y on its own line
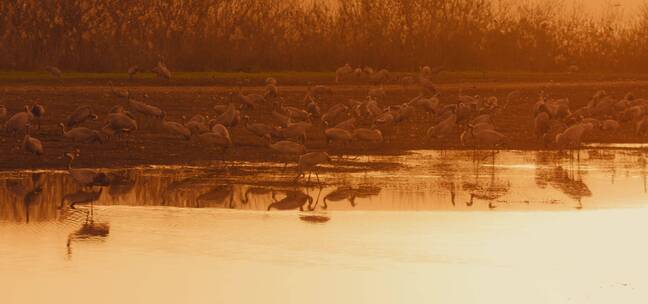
151, 146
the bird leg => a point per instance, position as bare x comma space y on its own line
223, 155
298, 176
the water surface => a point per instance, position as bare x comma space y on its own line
449, 227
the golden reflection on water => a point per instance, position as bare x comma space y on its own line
429, 181
195, 235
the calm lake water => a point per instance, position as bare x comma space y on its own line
524, 227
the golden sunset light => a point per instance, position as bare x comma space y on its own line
323, 151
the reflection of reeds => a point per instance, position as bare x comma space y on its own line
288, 35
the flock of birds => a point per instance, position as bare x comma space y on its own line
469, 120
557, 124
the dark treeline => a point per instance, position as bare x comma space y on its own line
254, 35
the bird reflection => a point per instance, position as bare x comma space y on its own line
217, 195
292, 200
450, 186
493, 190
565, 181
121, 183
81, 197
89, 230
16, 188
29, 195
30, 198
366, 191
350, 194
254, 191
642, 163
340, 194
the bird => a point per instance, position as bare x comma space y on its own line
80, 115
287, 149
320, 90
377, 92
215, 140
379, 77
259, 129
343, 71
222, 131
219, 108
309, 161
37, 111
610, 125
485, 138
270, 91
271, 81
119, 93
85, 177
132, 71
335, 114
32, 145
313, 108
337, 135
293, 200
175, 128
250, 101
296, 114
229, 118
482, 118
197, 124
425, 71
293, 131
119, 123
54, 71
144, 108
427, 86
384, 119
403, 112
19, 122
367, 135
161, 70
571, 138
358, 73
444, 128
281, 118
429, 105
81, 134
349, 124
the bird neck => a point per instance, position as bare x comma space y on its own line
246, 197
70, 159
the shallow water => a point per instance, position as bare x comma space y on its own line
543, 228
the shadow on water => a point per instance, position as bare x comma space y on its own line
428, 180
